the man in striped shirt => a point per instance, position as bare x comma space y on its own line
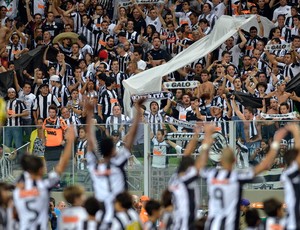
107, 99
108, 175
225, 185
16, 109
291, 181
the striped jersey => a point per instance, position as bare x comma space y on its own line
116, 122
225, 191
291, 182
107, 100
109, 178
42, 103
155, 120
14, 106
32, 201
186, 198
71, 217
28, 101
126, 220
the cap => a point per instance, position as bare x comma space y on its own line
245, 202
144, 198
122, 34
54, 78
280, 82
115, 133
103, 54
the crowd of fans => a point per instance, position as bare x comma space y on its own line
109, 47
99, 44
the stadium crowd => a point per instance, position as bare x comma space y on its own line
85, 50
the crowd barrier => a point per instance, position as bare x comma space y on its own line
145, 178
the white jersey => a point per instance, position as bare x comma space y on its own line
225, 190
291, 181
109, 179
28, 101
71, 217
160, 151
32, 202
125, 219
186, 198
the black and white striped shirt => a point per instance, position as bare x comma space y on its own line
62, 94
13, 50
14, 106
120, 77
123, 62
107, 100
77, 19
109, 178
88, 32
186, 198
42, 103
115, 123
122, 220
155, 120
225, 191
291, 181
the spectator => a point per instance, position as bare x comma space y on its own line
16, 110
55, 128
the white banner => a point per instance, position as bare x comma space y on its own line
176, 122
291, 115
272, 47
181, 84
151, 79
153, 96
129, 3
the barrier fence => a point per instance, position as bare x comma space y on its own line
148, 172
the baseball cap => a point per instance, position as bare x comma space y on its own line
144, 198
54, 78
115, 133
245, 202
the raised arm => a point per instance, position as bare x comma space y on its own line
129, 138
202, 159
190, 148
244, 40
271, 155
65, 157
236, 109
261, 32
28, 13
45, 61
139, 8
16, 82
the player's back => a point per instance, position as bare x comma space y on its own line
225, 190
31, 198
71, 218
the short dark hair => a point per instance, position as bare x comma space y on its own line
107, 145
125, 199
271, 207
31, 163
92, 206
152, 205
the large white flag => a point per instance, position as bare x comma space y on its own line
151, 80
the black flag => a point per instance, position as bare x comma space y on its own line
6, 81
